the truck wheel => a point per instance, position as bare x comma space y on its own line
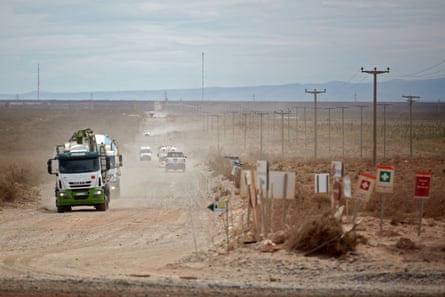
104, 206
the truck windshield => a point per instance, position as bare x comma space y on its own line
78, 165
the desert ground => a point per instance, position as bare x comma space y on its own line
160, 239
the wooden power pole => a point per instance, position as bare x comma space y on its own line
411, 100
315, 92
374, 72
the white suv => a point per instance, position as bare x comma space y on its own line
175, 160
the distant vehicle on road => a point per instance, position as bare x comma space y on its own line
145, 153
162, 153
174, 161
147, 133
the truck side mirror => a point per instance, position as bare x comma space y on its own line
120, 161
49, 165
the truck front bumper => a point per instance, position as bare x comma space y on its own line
80, 197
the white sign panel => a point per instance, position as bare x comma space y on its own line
262, 174
347, 186
277, 179
321, 183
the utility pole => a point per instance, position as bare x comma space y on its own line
296, 124
202, 88
305, 130
315, 92
245, 129
261, 132
282, 113
38, 81
329, 127
374, 72
384, 127
361, 129
411, 100
343, 128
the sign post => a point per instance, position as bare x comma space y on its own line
384, 184
422, 192
221, 207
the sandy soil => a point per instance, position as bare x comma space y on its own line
159, 239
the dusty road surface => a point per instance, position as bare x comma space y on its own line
159, 239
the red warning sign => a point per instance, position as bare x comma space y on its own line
423, 185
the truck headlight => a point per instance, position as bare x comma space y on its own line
62, 195
98, 193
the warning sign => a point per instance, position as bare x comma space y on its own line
385, 179
366, 184
423, 184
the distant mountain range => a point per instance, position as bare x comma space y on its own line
430, 90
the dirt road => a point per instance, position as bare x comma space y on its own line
159, 239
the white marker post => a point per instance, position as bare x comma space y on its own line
347, 192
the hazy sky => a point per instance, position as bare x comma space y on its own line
86, 45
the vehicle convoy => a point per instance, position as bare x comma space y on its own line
175, 160
87, 171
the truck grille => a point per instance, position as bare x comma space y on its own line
80, 184
80, 195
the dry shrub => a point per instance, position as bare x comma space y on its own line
322, 235
220, 166
16, 183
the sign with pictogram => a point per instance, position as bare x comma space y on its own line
366, 184
220, 206
385, 179
423, 184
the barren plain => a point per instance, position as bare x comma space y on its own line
160, 239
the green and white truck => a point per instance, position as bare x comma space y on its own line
87, 170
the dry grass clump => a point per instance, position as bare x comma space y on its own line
322, 234
220, 165
16, 185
